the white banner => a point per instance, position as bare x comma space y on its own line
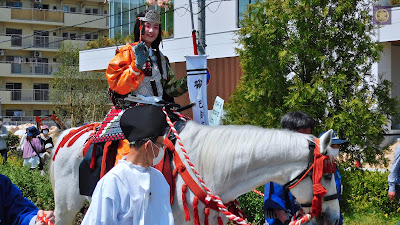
216, 112
196, 67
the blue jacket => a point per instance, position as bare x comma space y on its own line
275, 197
14, 208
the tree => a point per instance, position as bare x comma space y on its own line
79, 95
314, 56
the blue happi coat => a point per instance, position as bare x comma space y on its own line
14, 208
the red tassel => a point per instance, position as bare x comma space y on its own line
196, 210
185, 206
87, 145
220, 221
103, 169
206, 214
93, 161
174, 175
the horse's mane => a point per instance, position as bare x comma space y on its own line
219, 148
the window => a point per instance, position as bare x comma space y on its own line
16, 36
95, 11
15, 89
105, 11
242, 5
41, 38
65, 8
15, 114
95, 36
14, 4
15, 63
54, 7
42, 66
167, 21
41, 92
40, 112
88, 36
72, 36
54, 33
65, 35
72, 9
88, 10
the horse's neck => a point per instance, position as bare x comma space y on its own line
233, 160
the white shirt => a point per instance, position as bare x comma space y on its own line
130, 194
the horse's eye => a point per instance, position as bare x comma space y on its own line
328, 176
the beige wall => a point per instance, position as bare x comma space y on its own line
5, 14
72, 19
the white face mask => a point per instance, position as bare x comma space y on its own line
160, 156
45, 132
335, 152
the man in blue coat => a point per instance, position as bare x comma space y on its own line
15, 209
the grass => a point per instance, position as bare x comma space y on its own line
369, 219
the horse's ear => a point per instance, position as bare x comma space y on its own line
325, 141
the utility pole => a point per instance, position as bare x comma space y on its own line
202, 27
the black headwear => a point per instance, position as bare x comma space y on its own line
144, 121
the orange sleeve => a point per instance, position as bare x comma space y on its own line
122, 74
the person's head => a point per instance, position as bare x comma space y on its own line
297, 121
32, 132
45, 130
1, 120
144, 127
151, 28
336, 142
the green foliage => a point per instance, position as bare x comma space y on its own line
12, 140
33, 186
314, 56
102, 42
79, 95
367, 192
252, 206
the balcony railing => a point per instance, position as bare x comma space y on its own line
47, 15
17, 40
37, 14
33, 68
25, 95
18, 120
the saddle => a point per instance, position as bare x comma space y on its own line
101, 151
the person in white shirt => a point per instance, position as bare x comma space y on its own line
133, 192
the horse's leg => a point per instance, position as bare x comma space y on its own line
67, 199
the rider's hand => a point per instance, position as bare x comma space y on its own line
141, 54
392, 195
49, 215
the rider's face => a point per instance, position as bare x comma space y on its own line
151, 31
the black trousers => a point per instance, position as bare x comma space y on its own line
3, 153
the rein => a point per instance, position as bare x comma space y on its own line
210, 200
319, 164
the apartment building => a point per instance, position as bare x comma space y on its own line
31, 32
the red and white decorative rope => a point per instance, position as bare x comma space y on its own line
304, 219
210, 196
259, 193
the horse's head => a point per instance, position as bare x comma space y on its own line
318, 178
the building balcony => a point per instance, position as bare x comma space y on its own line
40, 43
54, 17
24, 96
27, 68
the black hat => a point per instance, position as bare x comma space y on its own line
144, 121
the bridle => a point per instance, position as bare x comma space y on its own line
319, 164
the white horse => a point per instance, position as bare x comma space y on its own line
232, 160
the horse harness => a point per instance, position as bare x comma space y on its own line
189, 182
319, 165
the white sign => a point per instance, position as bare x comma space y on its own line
216, 113
196, 67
